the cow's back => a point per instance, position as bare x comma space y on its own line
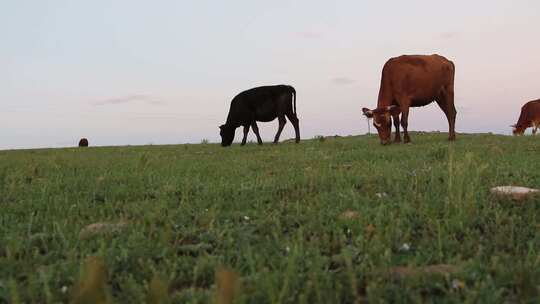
248, 101
418, 77
530, 112
259, 101
262, 92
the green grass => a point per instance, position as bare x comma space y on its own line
271, 215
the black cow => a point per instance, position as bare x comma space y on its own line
83, 142
260, 104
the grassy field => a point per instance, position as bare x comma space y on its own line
335, 220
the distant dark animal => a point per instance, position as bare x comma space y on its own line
413, 81
529, 117
83, 142
260, 104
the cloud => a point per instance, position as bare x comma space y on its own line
448, 35
342, 81
309, 35
129, 99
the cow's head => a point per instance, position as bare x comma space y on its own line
517, 130
227, 135
382, 120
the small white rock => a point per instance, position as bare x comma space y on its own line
349, 215
102, 228
514, 192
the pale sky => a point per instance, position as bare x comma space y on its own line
164, 72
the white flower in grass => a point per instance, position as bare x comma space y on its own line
381, 194
457, 284
287, 249
405, 247
246, 218
64, 289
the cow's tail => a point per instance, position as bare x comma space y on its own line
453, 72
293, 92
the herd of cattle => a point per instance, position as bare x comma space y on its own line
407, 81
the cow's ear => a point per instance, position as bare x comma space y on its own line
393, 109
222, 127
512, 126
367, 112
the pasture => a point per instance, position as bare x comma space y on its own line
330, 220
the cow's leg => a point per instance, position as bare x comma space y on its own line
446, 103
256, 131
294, 120
282, 121
405, 123
396, 125
246, 131
535, 128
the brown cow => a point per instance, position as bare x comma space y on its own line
529, 117
83, 142
413, 81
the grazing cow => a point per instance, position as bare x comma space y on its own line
260, 104
529, 117
413, 81
83, 142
